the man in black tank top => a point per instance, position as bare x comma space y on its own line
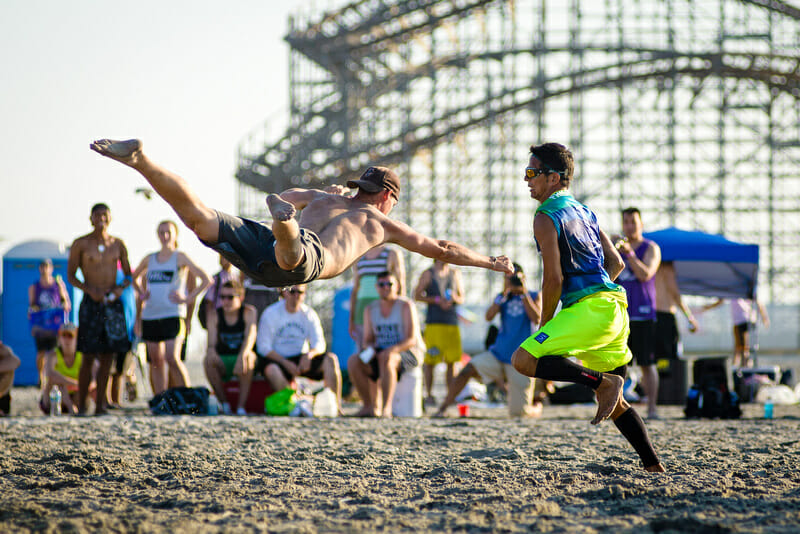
231, 338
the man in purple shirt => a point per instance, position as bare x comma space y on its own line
642, 258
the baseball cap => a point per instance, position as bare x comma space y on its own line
376, 179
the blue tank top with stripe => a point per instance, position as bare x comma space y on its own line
581, 250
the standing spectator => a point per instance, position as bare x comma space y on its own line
102, 331
290, 343
744, 315
520, 312
8, 364
642, 258
231, 340
440, 287
160, 279
258, 295
47, 293
668, 301
391, 331
377, 260
580, 264
62, 370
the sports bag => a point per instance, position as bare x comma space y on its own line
180, 401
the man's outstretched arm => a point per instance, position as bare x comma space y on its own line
446, 251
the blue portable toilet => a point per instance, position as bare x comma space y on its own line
341, 343
20, 270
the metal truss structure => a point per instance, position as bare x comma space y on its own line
687, 109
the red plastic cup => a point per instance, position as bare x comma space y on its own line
463, 410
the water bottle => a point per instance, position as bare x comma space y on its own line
55, 401
768, 409
448, 294
213, 405
325, 404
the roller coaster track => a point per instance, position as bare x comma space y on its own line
288, 162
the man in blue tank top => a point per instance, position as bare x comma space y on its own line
580, 263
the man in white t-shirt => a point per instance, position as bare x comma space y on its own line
290, 343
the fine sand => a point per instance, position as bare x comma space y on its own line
133, 472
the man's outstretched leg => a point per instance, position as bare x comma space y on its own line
288, 252
200, 219
607, 387
631, 426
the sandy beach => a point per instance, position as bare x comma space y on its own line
132, 472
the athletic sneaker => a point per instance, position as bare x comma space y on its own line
241, 411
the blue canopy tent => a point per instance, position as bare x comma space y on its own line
708, 264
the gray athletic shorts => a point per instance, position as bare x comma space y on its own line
250, 246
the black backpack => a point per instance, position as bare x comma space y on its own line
712, 401
180, 401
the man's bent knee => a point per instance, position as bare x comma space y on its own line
524, 362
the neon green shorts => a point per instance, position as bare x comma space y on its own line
595, 330
443, 342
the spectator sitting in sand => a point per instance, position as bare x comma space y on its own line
61, 370
8, 364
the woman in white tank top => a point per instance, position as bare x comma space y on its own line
160, 281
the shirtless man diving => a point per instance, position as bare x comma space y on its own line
333, 230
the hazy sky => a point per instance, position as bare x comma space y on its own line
189, 77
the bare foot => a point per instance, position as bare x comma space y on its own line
658, 468
126, 152
608, 394
279, 208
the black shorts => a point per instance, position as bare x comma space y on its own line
666, 342
642, 342
408, 360
156, 330
45, 342
314, 373
99, 329
250, 246
120, 363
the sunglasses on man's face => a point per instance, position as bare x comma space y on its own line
533, 172
385, 284
294, 291
227, 297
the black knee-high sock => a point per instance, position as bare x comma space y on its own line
632, 427
561, 369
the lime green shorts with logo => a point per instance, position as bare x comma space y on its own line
595, 330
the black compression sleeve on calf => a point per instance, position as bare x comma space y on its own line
632, 427
563, 370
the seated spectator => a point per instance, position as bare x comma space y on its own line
391, 330
61, 369
8, 364
519, 310
290, 343
231, 336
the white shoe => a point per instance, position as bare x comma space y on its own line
241, 411
226, 408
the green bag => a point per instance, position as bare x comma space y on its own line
281, 402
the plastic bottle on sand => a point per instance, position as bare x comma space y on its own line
325, 404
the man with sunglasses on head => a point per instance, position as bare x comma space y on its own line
231, 338
332, 232
290, 343
393, 341
579, 263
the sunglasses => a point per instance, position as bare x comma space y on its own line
295, 291
227, 297
532, 172
385, 284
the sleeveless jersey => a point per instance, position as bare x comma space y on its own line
580, 247
229, 336
62, 368
46, 298
641, 295
439, 287
389, 331
163, 279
